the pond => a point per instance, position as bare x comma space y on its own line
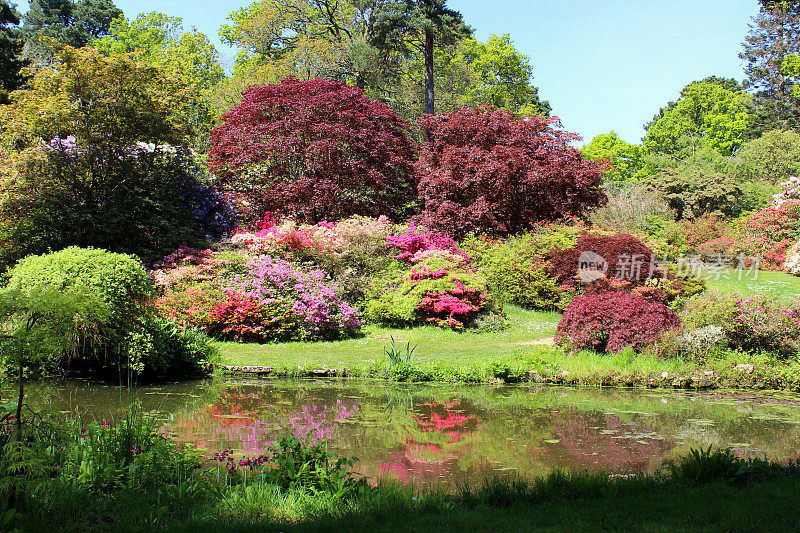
451, 434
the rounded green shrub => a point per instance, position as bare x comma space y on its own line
133, 338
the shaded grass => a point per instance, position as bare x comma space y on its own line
557, 502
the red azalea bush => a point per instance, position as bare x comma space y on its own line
622, 257
484, 170
316, 150
611, 321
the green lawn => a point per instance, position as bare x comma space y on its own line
778, 284
527, 330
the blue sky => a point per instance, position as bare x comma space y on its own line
603, 65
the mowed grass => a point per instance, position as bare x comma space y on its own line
776, 284
527, 330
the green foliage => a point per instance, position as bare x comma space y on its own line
769, 42
129, 336
50, 23
703, 466
706, 115
515, 268
11, 44
311, 468
399, 356
626, 158
395, 296
119, 281
693, 192
772, 158
498, 74
160, 41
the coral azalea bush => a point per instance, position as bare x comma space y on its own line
614, 320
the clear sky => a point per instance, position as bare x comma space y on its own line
602, 64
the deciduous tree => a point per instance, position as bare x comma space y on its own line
315, 150
484, 170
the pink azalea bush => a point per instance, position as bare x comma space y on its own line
435, 291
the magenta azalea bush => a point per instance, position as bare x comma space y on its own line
277, 300
413, 244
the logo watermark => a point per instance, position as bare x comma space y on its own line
637, 267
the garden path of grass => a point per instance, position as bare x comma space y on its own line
527, 331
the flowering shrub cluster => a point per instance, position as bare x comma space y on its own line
613, 321
754, 324
436, 291
771, 232
414, 244
277, 300
190, 284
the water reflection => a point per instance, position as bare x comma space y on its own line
451, 434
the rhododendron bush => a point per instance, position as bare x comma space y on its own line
614, 320
277, 300
316, 150
484, 170
771, 232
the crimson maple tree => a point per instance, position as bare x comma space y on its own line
483, 170
315, 150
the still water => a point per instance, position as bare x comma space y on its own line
450, 434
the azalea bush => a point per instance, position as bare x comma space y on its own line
189, 283
277, 300
611, 321
754, 324
770, 233
436, 291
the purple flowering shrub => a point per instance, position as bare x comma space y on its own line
277, 300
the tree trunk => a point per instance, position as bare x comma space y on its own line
429, 92
17, 436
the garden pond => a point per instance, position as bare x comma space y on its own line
450, 434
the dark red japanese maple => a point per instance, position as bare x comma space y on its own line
483, 170
316, 150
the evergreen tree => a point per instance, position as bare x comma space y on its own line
71, 23
774, 35
11, 44
409, 25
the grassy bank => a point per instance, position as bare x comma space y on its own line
524, 352
558, 502
435, 346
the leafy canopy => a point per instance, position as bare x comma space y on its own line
315, 150
484, 170
706, 115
